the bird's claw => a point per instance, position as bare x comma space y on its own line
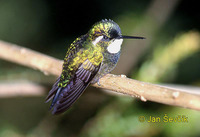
98, 83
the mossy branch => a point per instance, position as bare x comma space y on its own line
119, 84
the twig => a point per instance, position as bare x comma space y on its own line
146, 91
30, 58
120, 84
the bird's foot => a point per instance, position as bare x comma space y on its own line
98, 83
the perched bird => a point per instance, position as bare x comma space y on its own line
89, 57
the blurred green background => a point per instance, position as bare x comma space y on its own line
170, 54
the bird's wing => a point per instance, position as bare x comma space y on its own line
84, 67
74, 48
70, 93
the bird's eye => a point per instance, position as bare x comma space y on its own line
106, 38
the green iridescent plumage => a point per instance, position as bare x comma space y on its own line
78, 55
88, 58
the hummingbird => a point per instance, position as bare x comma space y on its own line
89, 57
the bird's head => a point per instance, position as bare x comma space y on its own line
107, 33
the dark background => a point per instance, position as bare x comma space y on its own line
49, 26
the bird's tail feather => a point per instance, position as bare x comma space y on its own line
64, 97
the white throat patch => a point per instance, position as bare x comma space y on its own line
94, 42
115, 46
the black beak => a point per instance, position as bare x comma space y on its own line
130, 37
